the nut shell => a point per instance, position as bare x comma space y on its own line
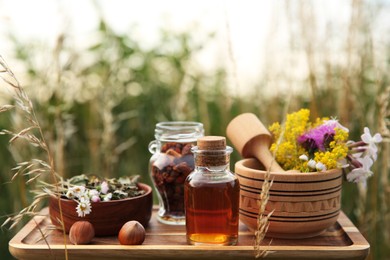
131, 233
81, 233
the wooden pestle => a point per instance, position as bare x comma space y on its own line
252, 139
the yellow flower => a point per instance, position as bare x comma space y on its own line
288, 150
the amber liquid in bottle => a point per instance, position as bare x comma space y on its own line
212, 211
211, 195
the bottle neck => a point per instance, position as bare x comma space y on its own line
213, 160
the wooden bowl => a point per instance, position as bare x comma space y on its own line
107, 217
305, 204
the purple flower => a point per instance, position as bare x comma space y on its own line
318, 138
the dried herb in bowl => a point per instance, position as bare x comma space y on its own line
86, 189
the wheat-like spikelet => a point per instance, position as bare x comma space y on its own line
262, 219
33, 135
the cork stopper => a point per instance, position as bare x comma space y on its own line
212, 151
212, 143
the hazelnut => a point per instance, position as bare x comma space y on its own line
81, 233
131, 233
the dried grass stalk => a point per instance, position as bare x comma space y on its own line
34, 168
262, 218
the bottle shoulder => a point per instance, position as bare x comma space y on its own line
211, 177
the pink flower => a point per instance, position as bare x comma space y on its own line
94, 195
95, 198
104, 187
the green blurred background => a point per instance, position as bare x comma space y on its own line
98, 104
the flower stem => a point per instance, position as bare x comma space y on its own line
355, 163
357, 144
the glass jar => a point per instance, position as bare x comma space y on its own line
211, 195
170, 165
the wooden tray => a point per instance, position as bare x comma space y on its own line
342, 241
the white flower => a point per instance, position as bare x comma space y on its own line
84, 195
342, 163
367, 150
83, 208
357, 155
367, 162
303, 157
371, 141
70, 194
372, 151
361, 174
320, 166
94, 195
104, 187
312, 164
368, 139
93, 192
78, 191
107, 197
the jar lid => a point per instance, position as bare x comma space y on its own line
178, 131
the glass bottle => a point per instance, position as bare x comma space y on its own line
170, 164
211, 194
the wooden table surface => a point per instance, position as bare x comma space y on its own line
341, 241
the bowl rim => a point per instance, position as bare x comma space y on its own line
241, 165
144, 186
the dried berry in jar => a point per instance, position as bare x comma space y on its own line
170, 164
169, 172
